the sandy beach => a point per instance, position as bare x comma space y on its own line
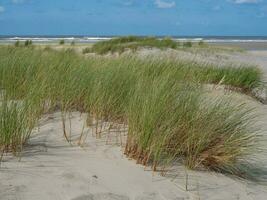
51, 168
133, 100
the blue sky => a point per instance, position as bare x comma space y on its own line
135, 17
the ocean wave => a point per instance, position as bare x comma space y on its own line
51, 39
189, 39
98, 38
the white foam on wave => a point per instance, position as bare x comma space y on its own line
51, 39
98, 38
220, 40
188, 39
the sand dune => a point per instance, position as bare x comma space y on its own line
51, 168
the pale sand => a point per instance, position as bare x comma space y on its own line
50, 168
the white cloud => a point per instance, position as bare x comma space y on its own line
246, 1
164, 4
260, 15
178, 23
2, 9
17, 1
217, 8
128, 3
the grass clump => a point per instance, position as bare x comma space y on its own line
47, 48
61, 42
168, 115
201, 43
16, 124
187, 44
175, 122
27, 43
244, 77
17, 43
132, 43
86, 50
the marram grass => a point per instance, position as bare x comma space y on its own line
17, 121
121, 44
161, 101
134, 43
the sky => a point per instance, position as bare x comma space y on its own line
134, 17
